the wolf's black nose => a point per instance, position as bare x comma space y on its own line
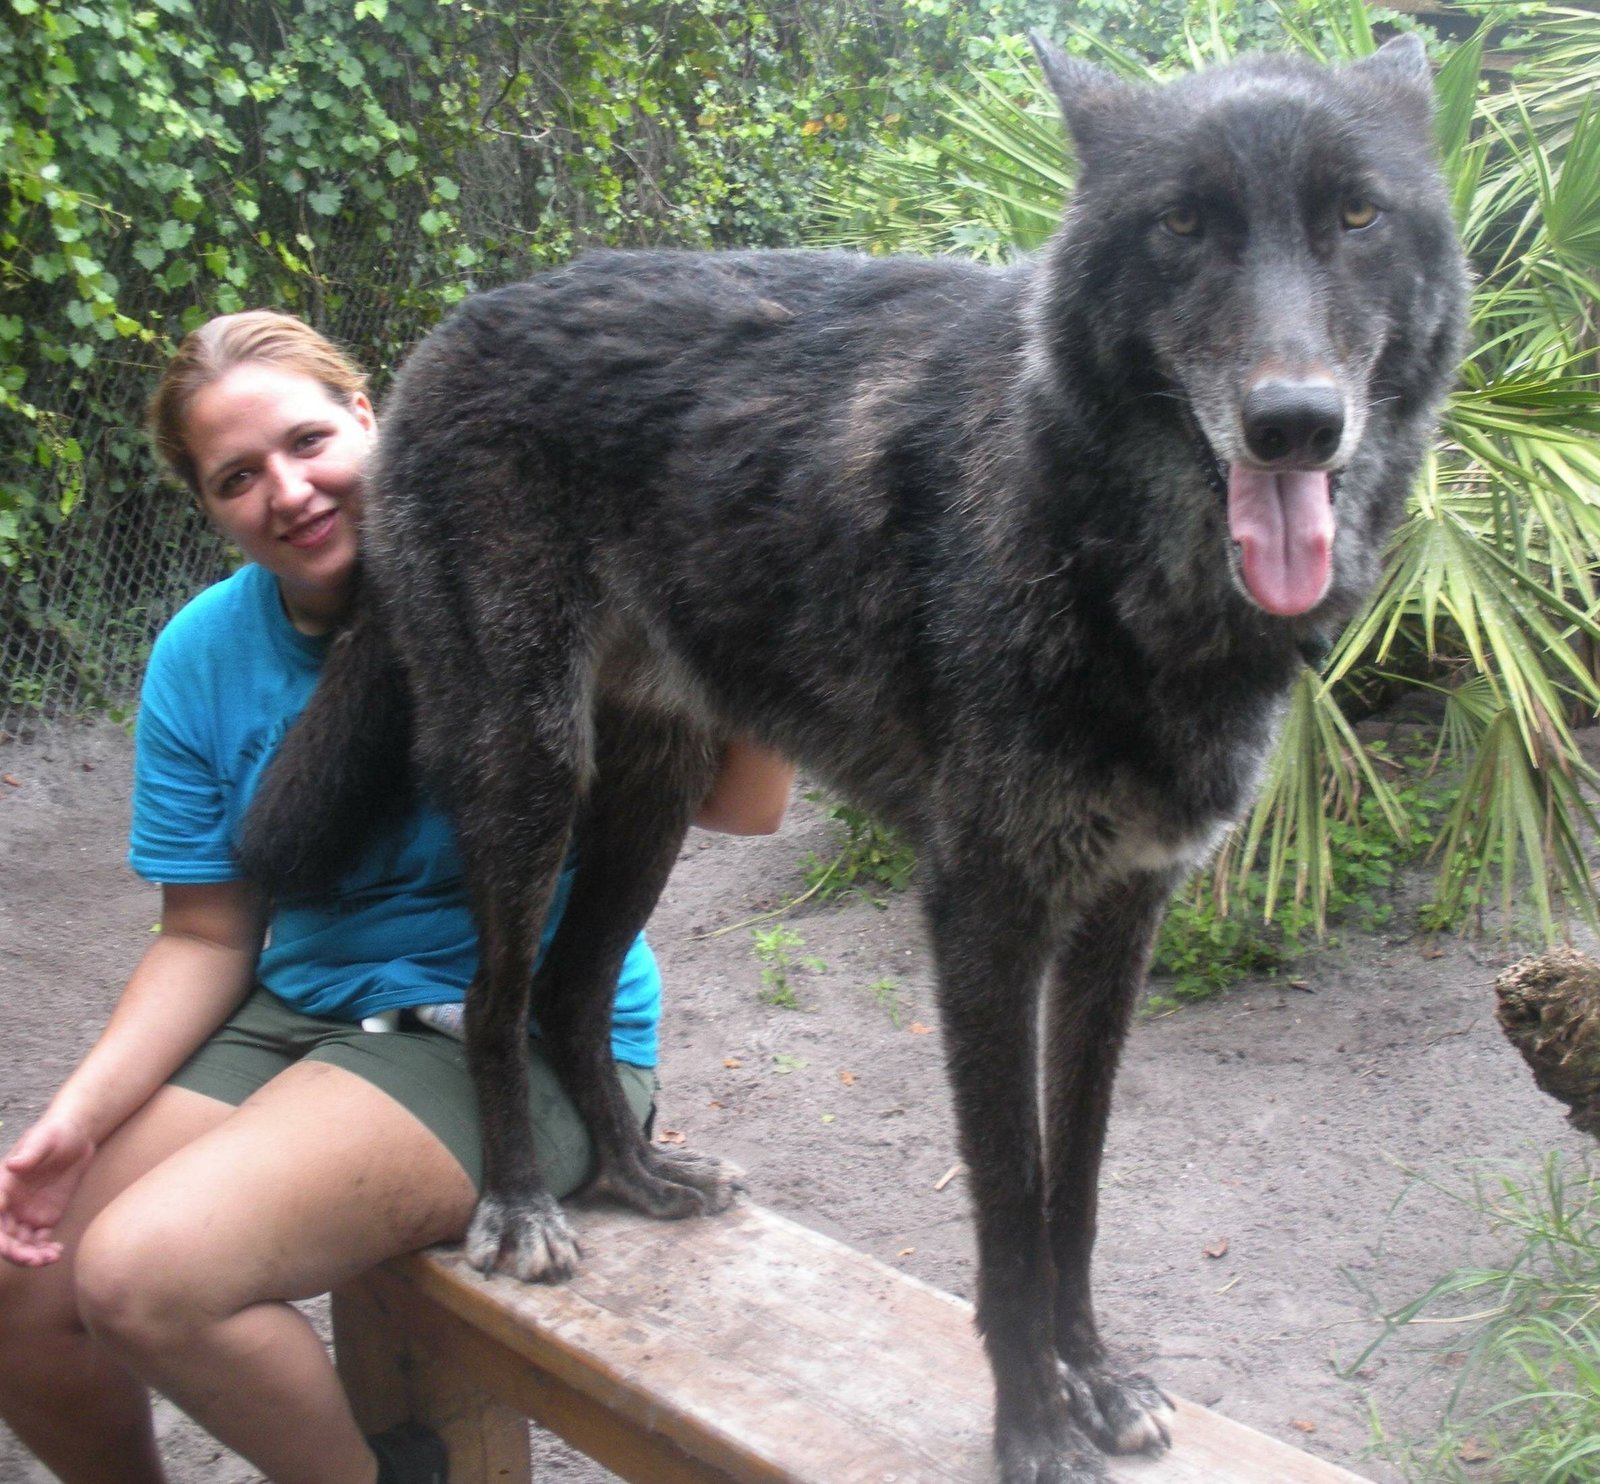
1293, 422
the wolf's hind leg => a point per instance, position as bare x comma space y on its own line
507, 769
1091, 996
517, 1224
651, 772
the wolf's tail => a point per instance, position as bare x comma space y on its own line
342, 770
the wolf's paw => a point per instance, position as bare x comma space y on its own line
717, 1181
668, 1186
1057, 1455
1123, 1414
529, 1239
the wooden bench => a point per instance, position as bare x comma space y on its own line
741, 1348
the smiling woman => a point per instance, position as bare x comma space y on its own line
280, 465
194, 1174
272, 433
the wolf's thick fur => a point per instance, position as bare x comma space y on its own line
1022, 560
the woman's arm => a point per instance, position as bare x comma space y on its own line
188, 982
750, 793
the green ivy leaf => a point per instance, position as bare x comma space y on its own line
173, 235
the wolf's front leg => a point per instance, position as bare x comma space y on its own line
1092, 991
991, 937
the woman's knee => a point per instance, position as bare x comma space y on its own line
137, 1286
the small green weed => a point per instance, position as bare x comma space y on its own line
1525, 1335
887, 994
775, 949
872, 858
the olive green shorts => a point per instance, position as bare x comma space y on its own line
424, 1070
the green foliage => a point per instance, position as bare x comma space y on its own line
161, 162
776, 949
1524, 1332
1228, 926
987, 178
871, 859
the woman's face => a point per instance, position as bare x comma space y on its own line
280, 465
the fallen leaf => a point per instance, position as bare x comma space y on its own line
848, 1078
732, 1061
713, 1104
905, 1252
919, 1029
1219, 1248
671, 1136
1301, 1425
11, 780
1472, 1451
827, 1117
1433, 953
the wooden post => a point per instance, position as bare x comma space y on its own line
397, 1361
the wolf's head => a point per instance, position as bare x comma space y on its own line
1259, 265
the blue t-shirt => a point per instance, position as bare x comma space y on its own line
227, 678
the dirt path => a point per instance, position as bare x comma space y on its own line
1260, 1193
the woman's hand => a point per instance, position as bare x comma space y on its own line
189, 981
37, 1180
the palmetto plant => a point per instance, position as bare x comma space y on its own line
1489, 605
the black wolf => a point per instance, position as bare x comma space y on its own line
1022, 560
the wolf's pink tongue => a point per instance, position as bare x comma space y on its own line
1284, 526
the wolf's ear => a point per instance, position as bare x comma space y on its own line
1399, 60
1081, 88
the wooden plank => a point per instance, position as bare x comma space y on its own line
748, 1348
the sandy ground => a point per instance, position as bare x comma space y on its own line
1283, 1126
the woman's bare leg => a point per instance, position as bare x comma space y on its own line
84, 1415
188, 1275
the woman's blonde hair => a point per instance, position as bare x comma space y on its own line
210, 352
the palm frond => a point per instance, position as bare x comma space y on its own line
1519, 827
1320, 772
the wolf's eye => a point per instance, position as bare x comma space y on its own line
1182, 221
1357, 212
